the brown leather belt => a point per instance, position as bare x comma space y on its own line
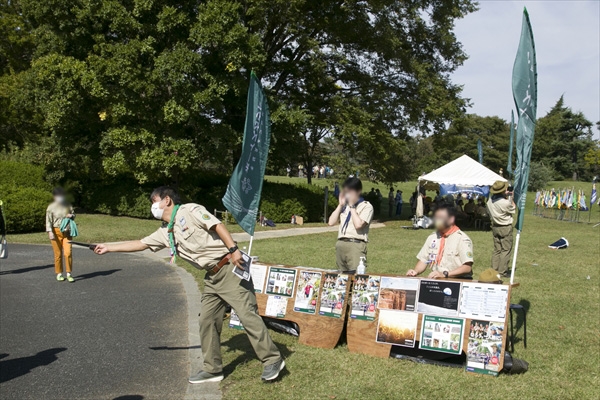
224, 261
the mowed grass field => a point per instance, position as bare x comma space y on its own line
560, 288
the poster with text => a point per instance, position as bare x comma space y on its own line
442, 334
365, 294
280, 281
483, 301
276, 306
258, 273
397, 327
234, 321
307, 292
332, 295
438, 297
398, 294
485, 347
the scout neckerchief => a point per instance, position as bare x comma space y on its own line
172, 234
345, 226
444, 235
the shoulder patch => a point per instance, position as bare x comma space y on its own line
205, 217
469, 254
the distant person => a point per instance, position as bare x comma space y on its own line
288, 171
58, 210
399, 202
336, 190
391, 202
413, 202
354, 215
300, 171
198, 237
501, 209
470, 207
448, 252
377, 204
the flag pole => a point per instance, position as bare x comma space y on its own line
514, 263
250, 245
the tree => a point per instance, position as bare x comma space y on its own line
562, 139
156, 89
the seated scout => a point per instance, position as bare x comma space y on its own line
448, 251
198, 237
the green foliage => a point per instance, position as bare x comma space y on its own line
281, 201
19, 174
539, 176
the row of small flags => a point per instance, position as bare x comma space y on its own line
565, 199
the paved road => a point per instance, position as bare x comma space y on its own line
120, 331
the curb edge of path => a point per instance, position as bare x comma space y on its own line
206, 391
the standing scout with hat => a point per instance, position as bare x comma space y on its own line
501, 208
198, 237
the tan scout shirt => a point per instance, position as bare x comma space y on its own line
501, 210
458, 250
55, 213
365, 212
194, 239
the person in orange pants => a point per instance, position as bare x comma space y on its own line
58, 210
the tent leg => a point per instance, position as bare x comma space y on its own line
514, 263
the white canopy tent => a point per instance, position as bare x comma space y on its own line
462, 172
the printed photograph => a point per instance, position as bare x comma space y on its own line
332, 295
485, 347
365, 295
398, 294
307, 292
281, 281
397, 327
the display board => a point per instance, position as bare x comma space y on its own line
443, 315
316, 300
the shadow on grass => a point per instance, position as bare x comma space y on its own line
96, 274
11, 369
175, 348
519, 323
241, 342
130, 397
25, 270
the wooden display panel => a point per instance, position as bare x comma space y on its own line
315, 330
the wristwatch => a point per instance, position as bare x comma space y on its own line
233, 249
445, 274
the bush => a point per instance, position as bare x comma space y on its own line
124, 198
539, 176
25, 208
280, 201
18, 174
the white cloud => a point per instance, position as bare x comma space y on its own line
567, 39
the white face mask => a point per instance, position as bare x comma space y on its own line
157, 212
59, 199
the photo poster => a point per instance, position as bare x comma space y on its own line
397, 327
333, 294
234, 321
281, 281
258, 273
307, 292
484, 351
398, 294
276, 306
439, 298
365, 295
442, 334
483, 301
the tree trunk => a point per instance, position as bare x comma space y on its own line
309, 171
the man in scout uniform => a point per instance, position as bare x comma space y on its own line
448, 251
501, 209
198, 237
354, 215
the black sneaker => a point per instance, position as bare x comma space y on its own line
204, 377
271, 371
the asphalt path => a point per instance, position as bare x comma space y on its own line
120, 331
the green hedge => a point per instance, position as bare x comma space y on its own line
280, 201
25, 195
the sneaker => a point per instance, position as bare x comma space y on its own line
271, 371
60, 278
203, 377
70, 278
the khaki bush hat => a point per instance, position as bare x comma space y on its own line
489, 276
499, 187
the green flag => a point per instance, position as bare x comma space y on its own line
245, 186
480, 151
512, 139
524, 86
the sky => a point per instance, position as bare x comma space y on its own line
567, 41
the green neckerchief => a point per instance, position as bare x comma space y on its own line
171, 234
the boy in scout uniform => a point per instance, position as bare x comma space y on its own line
195, 235
354, 215
448, 251
501, 209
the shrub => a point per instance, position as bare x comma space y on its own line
123, 198
25, 208
539, 176
19, 174
280, 201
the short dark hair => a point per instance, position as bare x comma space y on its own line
450, 209
352, 184
58, 191
164, 191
